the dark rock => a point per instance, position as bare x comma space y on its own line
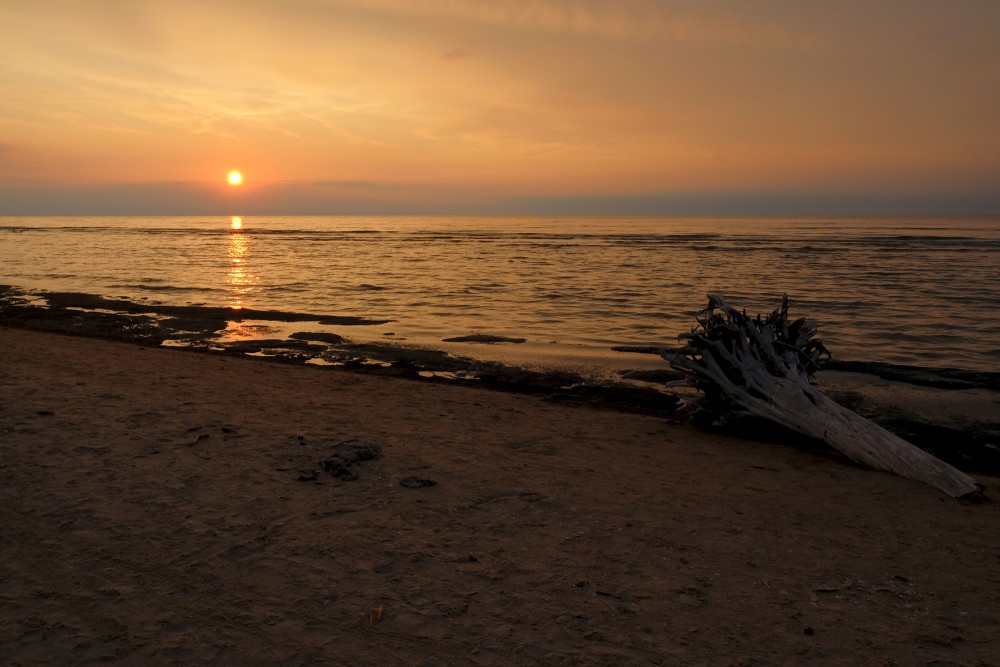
356, 451
348, 320
318, 337
484, 338
452, 609
416, 482
192, 328
392, 353
337, 468
347, 454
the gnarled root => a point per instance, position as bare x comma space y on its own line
762, 367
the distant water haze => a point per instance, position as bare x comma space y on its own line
919, 291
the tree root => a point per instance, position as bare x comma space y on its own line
763, 367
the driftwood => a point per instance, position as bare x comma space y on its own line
763, 367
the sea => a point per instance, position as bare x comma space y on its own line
909, 291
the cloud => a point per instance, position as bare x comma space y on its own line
358, 185
624, 20
454, 54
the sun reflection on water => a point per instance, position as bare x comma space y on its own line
239, 278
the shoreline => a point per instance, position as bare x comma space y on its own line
158, 508
955, 418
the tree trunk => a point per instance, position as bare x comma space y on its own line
762, 367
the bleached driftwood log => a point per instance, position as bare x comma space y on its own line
763, 366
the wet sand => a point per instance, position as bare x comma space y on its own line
162, 506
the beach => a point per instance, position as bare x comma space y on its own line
162, 506
495, 333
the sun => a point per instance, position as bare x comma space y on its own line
235, 178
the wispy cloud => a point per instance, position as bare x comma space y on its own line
625, 19
354, 185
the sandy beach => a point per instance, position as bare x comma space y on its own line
168, 507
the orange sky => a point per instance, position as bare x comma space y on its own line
352, 106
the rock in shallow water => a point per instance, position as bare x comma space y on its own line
319, 337
483, 338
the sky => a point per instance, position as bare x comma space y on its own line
632, 107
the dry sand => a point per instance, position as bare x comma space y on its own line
152, 513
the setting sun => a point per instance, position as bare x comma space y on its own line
235, 178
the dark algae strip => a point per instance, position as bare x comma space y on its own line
197, 328
91, 301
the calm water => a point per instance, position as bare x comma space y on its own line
913, 291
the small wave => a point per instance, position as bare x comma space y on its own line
295, 289
811, 249
310, 233
550, 246
164, 288
932, 238
611, 299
